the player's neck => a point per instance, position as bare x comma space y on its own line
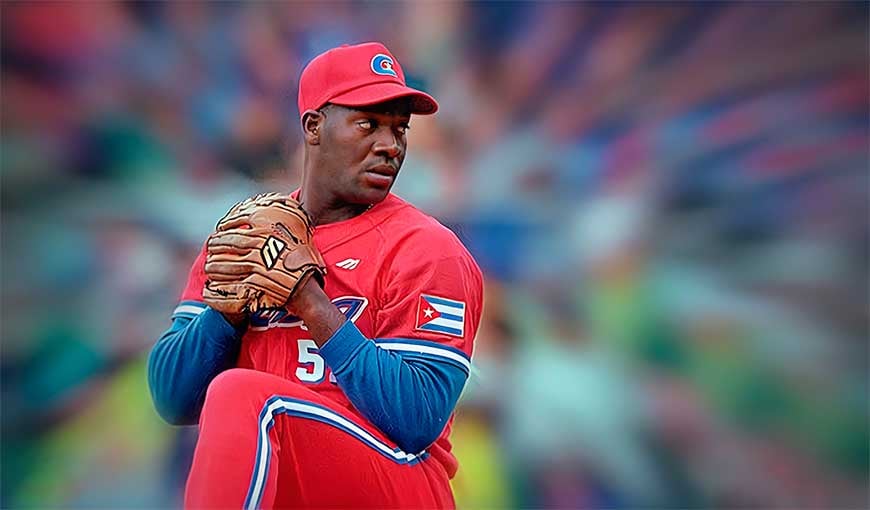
324, 211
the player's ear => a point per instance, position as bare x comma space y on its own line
312, 120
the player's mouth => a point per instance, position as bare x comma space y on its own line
381, 176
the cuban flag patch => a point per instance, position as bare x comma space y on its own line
441, 315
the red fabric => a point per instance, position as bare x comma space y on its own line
312, 464
396, 254
359, 75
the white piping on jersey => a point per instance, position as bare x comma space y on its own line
296, 324
425, 349
195, 310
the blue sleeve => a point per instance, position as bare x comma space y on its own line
198, 346
406, 388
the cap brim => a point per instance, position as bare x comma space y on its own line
421, 102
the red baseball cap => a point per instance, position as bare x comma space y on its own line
360, 75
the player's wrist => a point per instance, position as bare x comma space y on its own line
308, 298
311, 304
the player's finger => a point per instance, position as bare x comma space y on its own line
245, 230
230, 255
235, 268
235, 241
234, 221
234, 290
224, 278
226, 298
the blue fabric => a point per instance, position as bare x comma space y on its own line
195, 349
409, 396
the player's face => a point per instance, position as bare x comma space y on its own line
362, 150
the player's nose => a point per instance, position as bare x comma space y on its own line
387, 144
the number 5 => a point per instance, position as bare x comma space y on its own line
309, 356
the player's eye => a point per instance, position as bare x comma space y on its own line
365, 124
403, 128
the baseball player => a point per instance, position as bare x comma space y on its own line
322, 349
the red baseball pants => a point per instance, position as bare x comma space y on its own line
268, 442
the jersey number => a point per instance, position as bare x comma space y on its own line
313, 367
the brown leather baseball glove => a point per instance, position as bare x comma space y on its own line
260, 254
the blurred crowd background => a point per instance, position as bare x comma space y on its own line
669, 202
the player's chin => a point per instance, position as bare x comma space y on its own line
373, 197
377, 182
374, 190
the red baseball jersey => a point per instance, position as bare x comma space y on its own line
397, 273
